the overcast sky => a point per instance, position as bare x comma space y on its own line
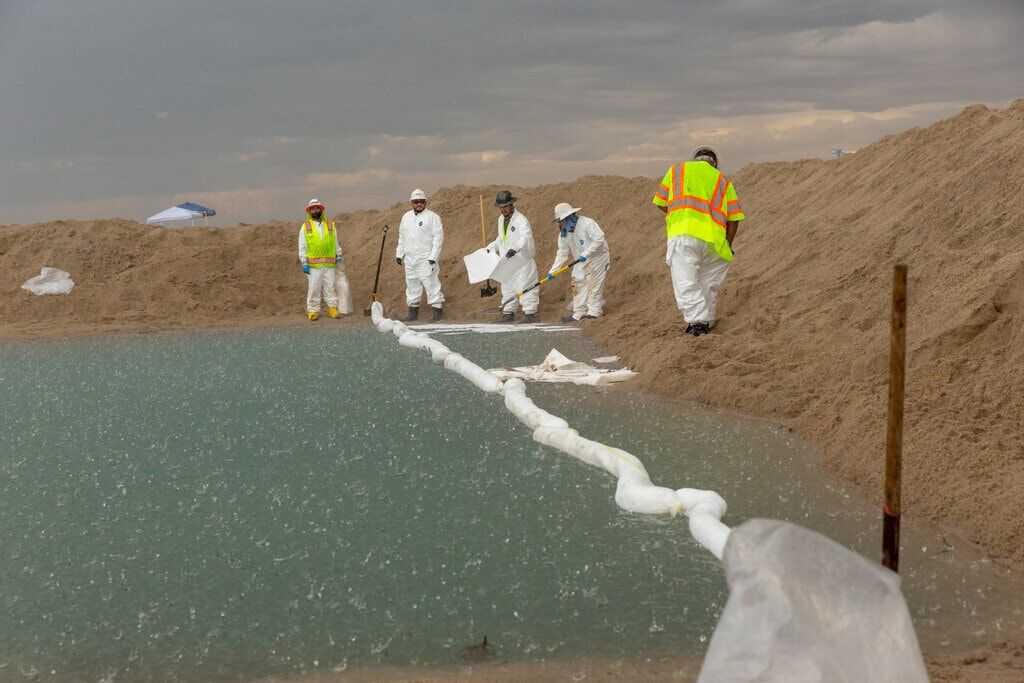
125, 107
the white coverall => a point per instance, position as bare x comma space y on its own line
321, 279
420, 237
520, 238
697, 273
587, 277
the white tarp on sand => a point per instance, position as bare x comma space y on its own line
557, 368
50, 281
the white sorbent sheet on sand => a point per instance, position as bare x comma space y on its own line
489, 328
557, 368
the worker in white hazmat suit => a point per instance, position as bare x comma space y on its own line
420, 237
516, 237
320, 256
581, 238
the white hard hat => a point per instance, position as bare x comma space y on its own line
703, 151
315, 203
417, 194
562, 211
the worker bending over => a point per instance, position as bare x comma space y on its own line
581, 238
516, 237
320, 256
420, 237
702, 215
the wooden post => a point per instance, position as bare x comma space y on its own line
894, 431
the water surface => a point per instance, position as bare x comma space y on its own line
233, 505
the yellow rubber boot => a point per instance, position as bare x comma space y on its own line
333, 312
312, 315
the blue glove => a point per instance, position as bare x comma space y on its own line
582, 259
550, 277
305, 268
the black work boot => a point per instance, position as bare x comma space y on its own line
437, 314
568, 319
414, 314
530, 318
507, 318
697, 329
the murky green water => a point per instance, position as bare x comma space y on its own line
226, 506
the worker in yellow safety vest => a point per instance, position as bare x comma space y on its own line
320, 256
702, 215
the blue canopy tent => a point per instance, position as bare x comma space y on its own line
182, 214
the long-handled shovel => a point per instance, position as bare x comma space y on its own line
547, 278
488, 290
376, 278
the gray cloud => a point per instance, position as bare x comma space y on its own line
123, 107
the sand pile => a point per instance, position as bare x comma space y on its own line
804, 332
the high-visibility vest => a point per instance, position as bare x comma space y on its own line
699, 200
321, 252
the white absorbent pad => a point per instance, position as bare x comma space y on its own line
557, 368
804, 609
480, 264
50, 281
507, 269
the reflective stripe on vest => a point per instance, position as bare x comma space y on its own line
711, 207
701, 215
733, 207
321, 252
662, 192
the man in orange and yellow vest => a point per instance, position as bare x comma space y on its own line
320, 256
702, 215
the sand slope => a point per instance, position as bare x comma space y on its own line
803, 337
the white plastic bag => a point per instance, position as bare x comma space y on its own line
804, 609
343, 291
50, 281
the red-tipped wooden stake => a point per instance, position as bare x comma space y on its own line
894, 431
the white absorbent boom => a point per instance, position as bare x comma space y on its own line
634, 492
